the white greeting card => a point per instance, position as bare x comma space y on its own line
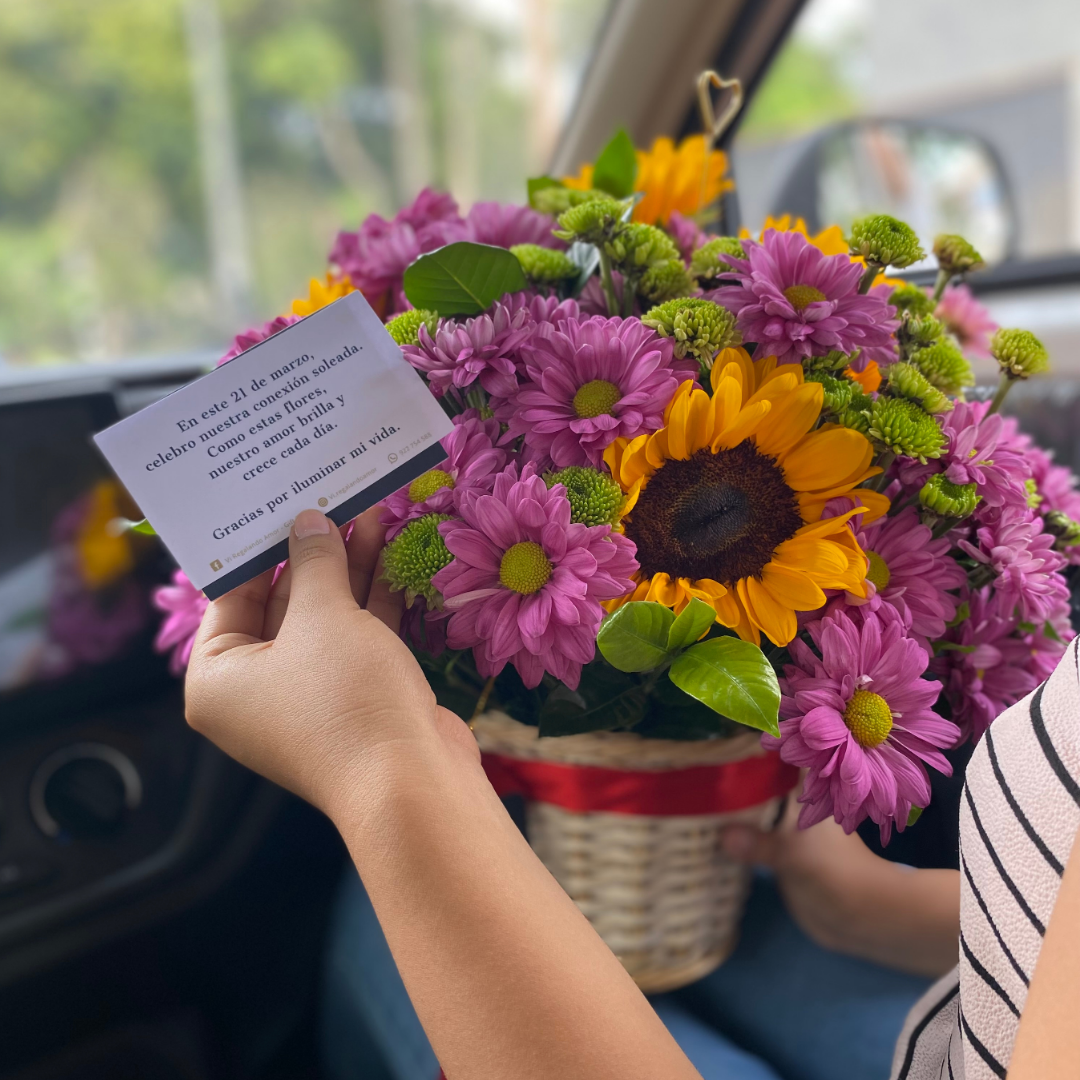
326, 414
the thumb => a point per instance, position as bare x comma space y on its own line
319, 570
745, 844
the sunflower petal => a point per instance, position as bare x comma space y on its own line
743, 426
827, 460
793, 588
793, 415
767, 612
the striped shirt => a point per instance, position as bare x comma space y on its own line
1018, 818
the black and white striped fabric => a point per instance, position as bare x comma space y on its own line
1018, 819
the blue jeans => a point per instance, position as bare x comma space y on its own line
780, 1008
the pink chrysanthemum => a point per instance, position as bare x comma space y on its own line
589, 383
542, 309
967, 319
860, 719
794, 301
977, 452
992, 663
525, 584
687, 235
1011, 542
485, 349
184, 606
910, 570
473, 459
249, 338
506, 224
376, 256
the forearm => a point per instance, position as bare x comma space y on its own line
506, 975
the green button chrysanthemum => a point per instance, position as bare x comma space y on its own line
593, 221
909, 382
955, 255
906, 428
944, 365
1019, 353
557, 199
706, 263
595, 499
414, 557
637, 246
405, 328
666, 280
838, 392
699, 328
1065, 530
948, 499
885, 241
544, 266
913, 298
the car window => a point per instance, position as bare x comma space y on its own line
957, 117
172, 171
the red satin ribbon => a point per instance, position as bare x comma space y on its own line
699, 789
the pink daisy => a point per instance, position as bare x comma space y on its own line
860, 718
473, 458
377, 255
794, 301
589, 383
686, 234
484, 349
910, 570
506, 224
1011, 542
249, 338
977, 452
967, 319
990, 666
525, 584
184, 606
542, 309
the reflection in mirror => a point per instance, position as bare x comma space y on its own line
935, 179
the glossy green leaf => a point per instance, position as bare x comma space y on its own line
635, 638
604, 699
143, 527
733, 678
692, 622
538, 183
462, 278
914, 814
616, 168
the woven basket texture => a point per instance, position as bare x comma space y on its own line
657, 889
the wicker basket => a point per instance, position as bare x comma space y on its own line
653, 883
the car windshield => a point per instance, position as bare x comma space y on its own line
170, 170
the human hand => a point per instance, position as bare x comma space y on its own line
305, 679
849, 900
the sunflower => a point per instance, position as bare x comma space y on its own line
321, 294
670, 177
725, 501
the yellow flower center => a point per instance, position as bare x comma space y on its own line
878, 572
868, 718
525, 568
423, 487
596, 398
798, 296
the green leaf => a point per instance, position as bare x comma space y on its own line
616, 168
538, 183
733, 678
914, 814
142, 527
635, 638
462, 278
694, 620
604, 699
1050, 632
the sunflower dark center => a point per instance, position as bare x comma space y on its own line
718, 516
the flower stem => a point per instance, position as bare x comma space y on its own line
943, 279
607, 282
629, 290
871, 272
1004, 386
942, 526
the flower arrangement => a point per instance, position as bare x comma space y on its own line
702, 483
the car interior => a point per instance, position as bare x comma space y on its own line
164, 912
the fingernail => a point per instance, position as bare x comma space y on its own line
310, 523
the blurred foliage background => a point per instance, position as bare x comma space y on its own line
174, 170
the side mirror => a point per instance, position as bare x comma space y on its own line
936, 179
